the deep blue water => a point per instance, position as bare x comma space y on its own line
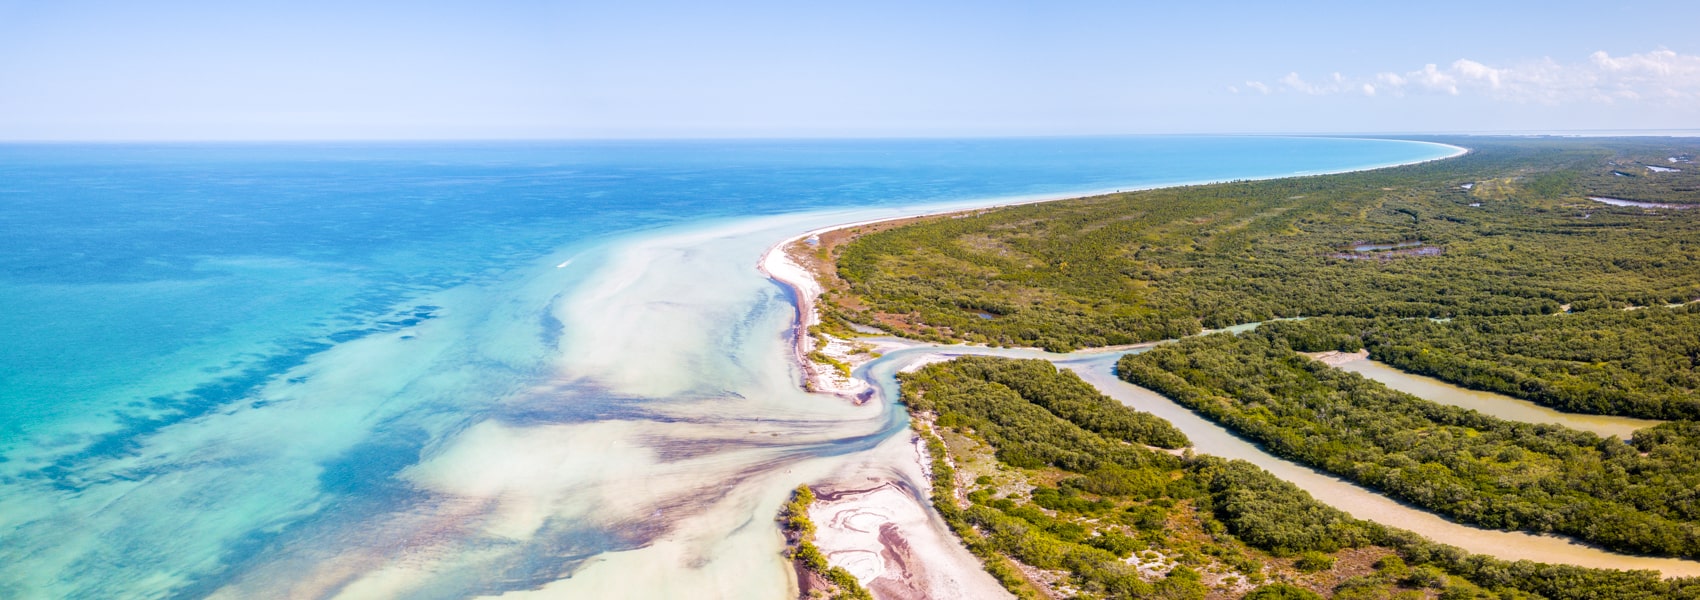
145, 287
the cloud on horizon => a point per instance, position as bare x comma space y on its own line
1660, 76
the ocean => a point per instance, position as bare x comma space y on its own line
449, 370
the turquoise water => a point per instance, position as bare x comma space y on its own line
309, 369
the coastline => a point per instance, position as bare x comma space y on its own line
777, 264
908, 527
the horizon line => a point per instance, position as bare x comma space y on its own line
1650, 132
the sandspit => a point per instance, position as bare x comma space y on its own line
874, 521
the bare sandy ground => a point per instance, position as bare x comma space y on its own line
1335, 358
778, 263
875, 520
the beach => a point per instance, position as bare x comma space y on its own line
873, 505
505, 378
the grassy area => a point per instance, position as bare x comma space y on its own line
1607, 360
1521, 240
1493, 270
1103, 516
1641, 498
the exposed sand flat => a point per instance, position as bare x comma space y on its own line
779, 264
882, 535
1335, 358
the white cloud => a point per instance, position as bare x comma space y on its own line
1298, 84
1657, 76
1470, 69
1433, 79
1336, 83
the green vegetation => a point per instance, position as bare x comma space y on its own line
1625, 175
1638, 363
1313, 561
1643, 498
1205, 514
1493, 271
1022, 391
1101, 496
1165, 263
798, 527
944, 501
842, 367
1281, 591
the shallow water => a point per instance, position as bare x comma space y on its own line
447, 371
1376, 247
1489, 403
1634, 203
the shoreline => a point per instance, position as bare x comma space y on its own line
901, 540
777, 264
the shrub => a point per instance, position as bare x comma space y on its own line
1313, 561
1282, 591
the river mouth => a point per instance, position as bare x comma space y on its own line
585, 394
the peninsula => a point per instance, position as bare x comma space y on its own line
1491, 271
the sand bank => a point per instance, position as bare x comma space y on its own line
1335, 358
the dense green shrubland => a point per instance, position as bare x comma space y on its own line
1248, 517
1640, 363
1164, 263
1642, 498
1473, 296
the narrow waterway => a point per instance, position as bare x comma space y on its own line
1097, 367
443, 371
1498, 405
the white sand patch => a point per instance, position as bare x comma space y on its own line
1335, 358
820, 376
923, 361
890, 541
850, 527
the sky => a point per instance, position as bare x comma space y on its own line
495, 69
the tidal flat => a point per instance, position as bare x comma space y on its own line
459, 370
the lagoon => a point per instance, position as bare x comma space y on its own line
458, 370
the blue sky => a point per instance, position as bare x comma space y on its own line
493, 69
